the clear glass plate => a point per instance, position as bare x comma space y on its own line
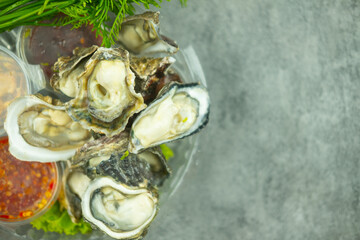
188, 67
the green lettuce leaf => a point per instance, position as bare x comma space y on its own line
166, 150
57, 220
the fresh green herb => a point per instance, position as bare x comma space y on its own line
97, 13
58, 220
166, 150
124, 155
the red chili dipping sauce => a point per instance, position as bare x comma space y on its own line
26, 188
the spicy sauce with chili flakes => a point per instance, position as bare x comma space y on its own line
25, 187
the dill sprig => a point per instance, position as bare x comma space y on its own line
105, 16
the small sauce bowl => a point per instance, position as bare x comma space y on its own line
27, 189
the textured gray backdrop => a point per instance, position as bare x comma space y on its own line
280, 157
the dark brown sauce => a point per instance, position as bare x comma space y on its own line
44, 45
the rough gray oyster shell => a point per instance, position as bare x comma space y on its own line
109, 157
149, 72
68, 69
140, 34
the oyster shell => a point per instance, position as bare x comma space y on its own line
179, 111
158, 165
148, 168
109, 157
106, 98
75, 182
147, 68
40, 131
140, 34
149, 72
68, 69
100, 148
120, 211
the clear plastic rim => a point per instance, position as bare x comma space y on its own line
21, 65
37, 79
24, 70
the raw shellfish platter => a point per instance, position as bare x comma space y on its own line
109, 115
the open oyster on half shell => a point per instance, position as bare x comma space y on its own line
112, 189
41, 131
121, 211
179, 111
106, 98
140, 35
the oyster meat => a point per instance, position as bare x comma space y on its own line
120, 211
40, 131
179, 111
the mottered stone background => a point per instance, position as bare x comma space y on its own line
280, 157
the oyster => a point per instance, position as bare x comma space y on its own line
149, 72
75, 183
120, 211
106, 98
140, 34
100, 148
158, 165
109, 157
148, 168
68, 69
179, 111
147, 68
40, 131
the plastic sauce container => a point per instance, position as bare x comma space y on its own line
27, 189
13, 82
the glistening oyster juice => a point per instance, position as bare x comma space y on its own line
122, 105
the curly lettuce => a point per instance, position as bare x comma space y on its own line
58, 220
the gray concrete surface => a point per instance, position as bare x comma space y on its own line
280, 157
